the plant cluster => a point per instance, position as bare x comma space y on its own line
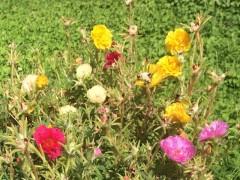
112, 115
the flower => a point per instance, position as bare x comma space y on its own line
67, 110
103, 110
177, 41
49, 139
97, 94
42, 81
178, 148
157, 78
167, 66
29, 83
97, 152
217, 128
111, 58
177, 112
83, 71
102, 37
170, 65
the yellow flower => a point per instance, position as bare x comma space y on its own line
42, 81
157, 77
177, 41
102, 37
170, 66
177, 112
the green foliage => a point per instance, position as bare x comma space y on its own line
129, 144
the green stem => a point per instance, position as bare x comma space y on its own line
28, 156
11, 172
210, 103
69, 47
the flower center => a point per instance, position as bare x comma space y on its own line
49, 142
177, 152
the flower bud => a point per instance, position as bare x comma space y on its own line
83, 32
78, 60
19, 160
133, 30
97, 152
208, 149
104, 118
216, 78
194, 26
128, 1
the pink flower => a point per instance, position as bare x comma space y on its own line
97, 152
178, 148
49, 140
217, 128
103, 110
111, 58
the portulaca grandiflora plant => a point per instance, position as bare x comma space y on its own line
109, 114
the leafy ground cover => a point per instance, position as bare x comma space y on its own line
37, 29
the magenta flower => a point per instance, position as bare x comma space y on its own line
111, 58
217, 128
49, 140
178, 148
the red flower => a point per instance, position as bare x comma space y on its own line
49, 140
111, 58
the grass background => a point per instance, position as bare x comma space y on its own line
36, 24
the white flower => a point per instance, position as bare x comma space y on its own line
83, 70
97, 94
67, 109
29, 83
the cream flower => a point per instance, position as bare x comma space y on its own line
67, 109
97, 94
83, 70
29, 83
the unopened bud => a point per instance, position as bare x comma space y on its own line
216, 78
83, 32
19, 160
128, 1
195, 108
78, 60
194, 26
133, 30
210, 88
104, 119
67, 22
195, 68
208, 150
114, 116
